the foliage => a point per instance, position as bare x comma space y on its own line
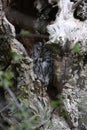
54, 49
7, 75
27, 120
24, 32
76, 49
6, 78
15, 57
59, 104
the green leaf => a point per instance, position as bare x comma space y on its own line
76, 49
24, 32
15, 56
9, 75
54, 104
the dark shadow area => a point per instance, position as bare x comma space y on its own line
52, 13
85, 59
81, 10
52, 92
27, 12
78, 14
24, 6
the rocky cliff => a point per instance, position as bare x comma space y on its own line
51, 77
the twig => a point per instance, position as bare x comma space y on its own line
10, 121
4, 108
42, 36
38, 36
14, 97
76, 4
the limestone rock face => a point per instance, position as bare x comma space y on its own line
62, 29
69, 70
25, 77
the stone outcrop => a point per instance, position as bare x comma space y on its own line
68, 59
67, 31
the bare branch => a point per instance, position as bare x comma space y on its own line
31, 35
76, 4
14, 97
4, 108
